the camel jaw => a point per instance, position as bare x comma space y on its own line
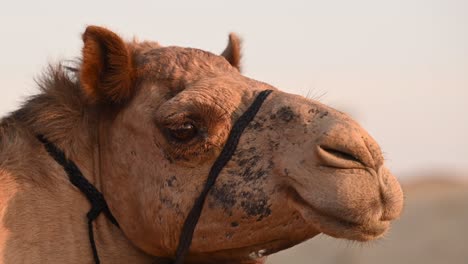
254, 254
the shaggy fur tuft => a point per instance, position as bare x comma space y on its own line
60, 110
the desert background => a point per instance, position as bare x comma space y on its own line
399, 67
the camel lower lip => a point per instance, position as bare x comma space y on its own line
337, 227
340, 228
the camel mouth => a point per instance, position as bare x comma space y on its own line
336, 226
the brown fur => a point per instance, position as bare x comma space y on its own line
301, 168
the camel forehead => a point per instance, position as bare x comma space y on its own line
178, 63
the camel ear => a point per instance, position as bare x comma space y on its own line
107, 72
232, 53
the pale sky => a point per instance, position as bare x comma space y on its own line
400, 67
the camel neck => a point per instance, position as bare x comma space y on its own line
98, 205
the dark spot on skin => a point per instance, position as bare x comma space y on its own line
256, 125
286, 114
248, 161
170, 182
244, 152
315, 112
260, 174
225, 195
256, 205
168, 157
244, 189
170, 204
270, 164
274, 145
252, 171
232, 171
324, 114
286, 171
166, 202
247, 173
133, 153
273, 116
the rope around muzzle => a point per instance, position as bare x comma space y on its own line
99, 205
229, 148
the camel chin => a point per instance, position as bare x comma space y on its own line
248, 254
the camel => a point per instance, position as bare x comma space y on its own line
144, 124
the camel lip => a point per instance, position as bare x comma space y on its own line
359, 232
338, 227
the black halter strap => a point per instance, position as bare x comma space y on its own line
223, 158
99, 205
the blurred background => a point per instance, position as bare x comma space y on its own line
399, 67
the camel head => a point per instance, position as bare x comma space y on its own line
301, 168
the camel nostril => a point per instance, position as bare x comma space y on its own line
338, 158
341, 154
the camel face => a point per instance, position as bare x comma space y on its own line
300, 169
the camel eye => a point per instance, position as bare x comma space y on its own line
184, 133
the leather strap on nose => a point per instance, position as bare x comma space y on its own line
223, 158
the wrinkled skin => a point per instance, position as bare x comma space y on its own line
301, 168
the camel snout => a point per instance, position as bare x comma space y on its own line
345, 147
